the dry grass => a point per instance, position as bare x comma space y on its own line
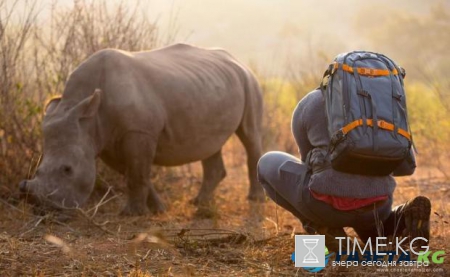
242, 239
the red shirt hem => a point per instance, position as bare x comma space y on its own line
346, 203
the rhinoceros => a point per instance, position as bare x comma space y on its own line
168, 107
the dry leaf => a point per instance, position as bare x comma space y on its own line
58, 242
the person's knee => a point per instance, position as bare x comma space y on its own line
268, 166
265, 166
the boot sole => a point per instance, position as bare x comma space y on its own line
417, 217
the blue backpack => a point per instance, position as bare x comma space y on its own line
367, 116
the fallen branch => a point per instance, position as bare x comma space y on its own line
262, 241
101, 226
40, 219
102, 202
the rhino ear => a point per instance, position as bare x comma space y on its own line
89, 106
52, 105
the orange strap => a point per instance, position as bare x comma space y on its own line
381, 124
365, 71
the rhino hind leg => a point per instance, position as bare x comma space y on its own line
213, 172
250, 136
142, 196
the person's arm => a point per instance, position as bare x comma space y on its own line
299, 130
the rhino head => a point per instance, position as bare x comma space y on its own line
66, 175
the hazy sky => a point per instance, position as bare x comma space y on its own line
266, 31
260, 30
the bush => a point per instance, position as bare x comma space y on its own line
36, 59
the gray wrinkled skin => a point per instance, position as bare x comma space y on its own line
169, 107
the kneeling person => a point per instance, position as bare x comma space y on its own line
326, 200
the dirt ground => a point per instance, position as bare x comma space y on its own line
239, 239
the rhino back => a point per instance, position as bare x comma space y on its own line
190, 100
202, 92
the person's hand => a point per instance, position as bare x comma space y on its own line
319, 160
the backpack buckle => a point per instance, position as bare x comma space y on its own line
382, 124
337, 138
366, 71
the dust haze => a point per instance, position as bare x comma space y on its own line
268, 33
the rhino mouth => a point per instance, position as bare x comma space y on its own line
41, 205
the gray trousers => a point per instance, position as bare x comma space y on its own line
282, 176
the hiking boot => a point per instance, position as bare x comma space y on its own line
416, 214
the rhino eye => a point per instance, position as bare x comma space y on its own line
67, 169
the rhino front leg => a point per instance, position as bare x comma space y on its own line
142, 196
154, 203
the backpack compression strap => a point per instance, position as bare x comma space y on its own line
373, 72
364, 71
381, 124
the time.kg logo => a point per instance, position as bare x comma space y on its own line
310, 252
